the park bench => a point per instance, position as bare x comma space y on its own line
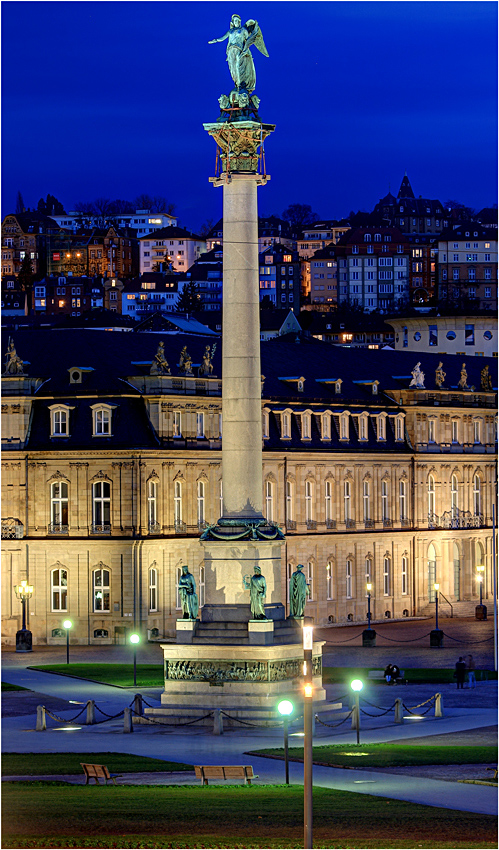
233, 771
97, 772
380, 674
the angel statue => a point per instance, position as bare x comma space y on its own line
417, 378
240, 39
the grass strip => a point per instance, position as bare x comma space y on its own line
232, 816
120, 675
390, 755
45, 764
414, 675
6, 686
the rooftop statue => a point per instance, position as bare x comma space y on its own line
439, 375
13, 364
417, 378
463, 380
159, 365
486, 380
240, 40
185, 365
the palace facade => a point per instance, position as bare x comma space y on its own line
110, 474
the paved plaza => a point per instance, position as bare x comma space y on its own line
470, 715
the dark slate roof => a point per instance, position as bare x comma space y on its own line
465, 227
272, 320
172, 233
356, 235
405, 190
487, 216
321, 323
209, 257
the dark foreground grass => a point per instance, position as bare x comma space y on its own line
414, 675
6, 686
148, 675
46, 764
52, 816
390, 755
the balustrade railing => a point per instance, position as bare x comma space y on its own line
58, 528
100, 528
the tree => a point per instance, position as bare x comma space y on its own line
266, 303
190, 298
102, 206
153, 203
462, 208
205, 228
299, 215
120, 207
19, 203
51, 206
25, 279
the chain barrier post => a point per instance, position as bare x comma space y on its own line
90, 719
218, 723
439, 705
127, 717
41, 723
398, 711
137, 705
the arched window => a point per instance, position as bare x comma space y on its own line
405, 566
344, 428
305, 426
457, 572
329, 504
347, 492
477, 495
349, 578
454, 497
385, 507
431, 497
201, 514
201, 586
290, 502
59, 589
399, 428
152, 504
101, 506
366, 500
101, 590
403, 499
269, 500
386, 576
377, 237
326, 426
363, 427
309, 503
367, 237
381, 428
329, 580
153, 589
177, 503
59, 507
432, 572
286, 426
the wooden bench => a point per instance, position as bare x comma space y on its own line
98, 772
380, 674
225, 771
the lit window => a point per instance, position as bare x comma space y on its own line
201, 502
101, 591
59, 589
349, 577
59, 506
386, 576
269, 500
101, 505
153, 589
152, 504
177, 503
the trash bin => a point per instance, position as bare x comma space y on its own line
481, 612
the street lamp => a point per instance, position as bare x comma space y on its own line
436, 588
368, 635
480, 576
356, 687
67, 625
24, 639
285, 708
308, 690
369, 588
134, 640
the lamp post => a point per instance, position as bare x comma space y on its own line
369, 588
369, 635
134, 640
67, 625
308, 690
24, 638
285, 708
356, 687
480, 570
480, 610
436, 634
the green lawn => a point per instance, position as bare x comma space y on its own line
415, 675
148, 675
53, 816
390, 755
6, 686
43, 764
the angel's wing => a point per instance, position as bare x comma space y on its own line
256, 36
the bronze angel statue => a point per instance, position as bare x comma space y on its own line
240, 40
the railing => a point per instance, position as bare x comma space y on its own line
387, 523
311, 524
350, 523
58, 528
100, 528
405, 522
456, 519
368, 523
330, 523
180, 527
448, 602
154, 527
12, 529
433, 521
291, 525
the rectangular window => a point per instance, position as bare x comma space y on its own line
469, 334
177, 423
455, 431
455, 274
102, 422
101, 591
487, 274
59, 423
329, 580
59, 581
431, 430
349, 578
310, 582
386, 576
404, 576
433, 334
200, 425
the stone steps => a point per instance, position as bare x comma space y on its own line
466, 608
231, 632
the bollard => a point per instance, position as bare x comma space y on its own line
127, 717
398, 711
90, 712
137, 705
439, 705
218, 723
41, 724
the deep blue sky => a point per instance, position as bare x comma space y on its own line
108, 99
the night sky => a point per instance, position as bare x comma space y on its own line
108, 99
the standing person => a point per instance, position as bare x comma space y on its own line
460, 672
470, 664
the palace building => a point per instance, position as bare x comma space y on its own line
111, 473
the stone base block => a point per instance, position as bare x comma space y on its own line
239, 613
24, 641
186, 629
436, 637
261, 632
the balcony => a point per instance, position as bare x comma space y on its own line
154, 527
58, 528
387, 523
461, 519
331, 523
368, 523
100, 528
12, 529
311, 524
180, 527
405, 522
290, 525
350, 523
